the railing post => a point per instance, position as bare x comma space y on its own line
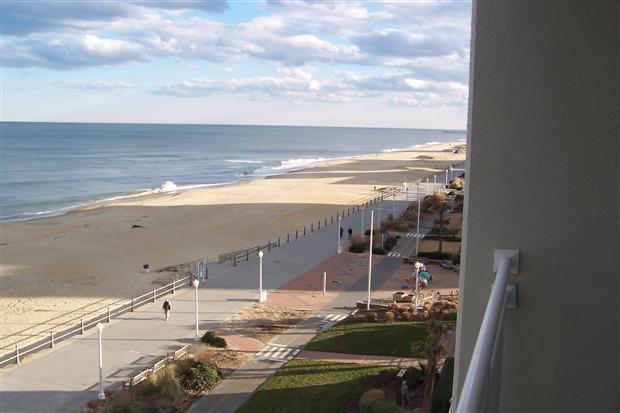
325, 221
82, 325
332, 221
247, 255
174, 284
269, 246
304, 230
154, 293
235, 260
278, 241
288, 237
109, 308
52, 339
132, 304
17, 358
319, 226
296, 234
312, 227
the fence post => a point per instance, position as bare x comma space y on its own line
235, 260
82, 325
109, 309
332, 219
325, 221
288, 237
154, 293
312, 227
269, 246
174, 284
247, 255
319, 224
17, 360
296, 234
132, 304
52, 339
278, 241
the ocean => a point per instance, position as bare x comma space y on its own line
50, 168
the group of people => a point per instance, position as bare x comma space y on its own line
349, 231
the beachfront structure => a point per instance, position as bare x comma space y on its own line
543, 179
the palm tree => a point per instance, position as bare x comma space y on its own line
439, 205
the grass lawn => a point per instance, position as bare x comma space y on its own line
377, 339
310, 386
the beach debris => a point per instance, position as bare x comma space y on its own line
137, 226
146, 268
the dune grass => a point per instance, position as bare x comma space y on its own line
310, 386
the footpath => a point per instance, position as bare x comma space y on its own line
66, 377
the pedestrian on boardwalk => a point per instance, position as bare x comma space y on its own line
350, 231
341, 232
167, 308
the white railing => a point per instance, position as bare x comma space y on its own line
480, 392
102, 315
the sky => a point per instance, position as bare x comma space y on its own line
275, 62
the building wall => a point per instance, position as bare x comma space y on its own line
543, 176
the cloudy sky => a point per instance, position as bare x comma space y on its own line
341, 63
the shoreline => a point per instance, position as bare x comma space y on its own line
149, 192
94, 256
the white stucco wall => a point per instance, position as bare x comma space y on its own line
544, 177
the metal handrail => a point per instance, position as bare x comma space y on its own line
475, 395
71, 330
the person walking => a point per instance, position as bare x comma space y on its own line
167, 308
350, 231
341, 232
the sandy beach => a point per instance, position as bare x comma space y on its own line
91, 257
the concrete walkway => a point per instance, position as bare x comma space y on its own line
65, 378
358, 359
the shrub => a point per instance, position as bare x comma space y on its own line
357, 248
414, 377
407, 316
170, 389
125, 403
372, 316
214, 340
442, 392
390, 243
378, 406
378, 251
358, 239
201, 375
434, 255
389, 316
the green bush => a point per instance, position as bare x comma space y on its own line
357, 248
434, 255
442, 392
378, 406
389, 243
378, 251
214, 340
201, 375
170, 390
125, 403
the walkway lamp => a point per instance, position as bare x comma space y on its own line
196, 283
261, 294
372, 220
101, 394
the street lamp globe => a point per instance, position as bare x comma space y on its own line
260, 254
99, 327
195, 283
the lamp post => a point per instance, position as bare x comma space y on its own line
394, 206
101, 394
417, 230
372, 218
339, 250
260, 277
406, 188
417, 272
434, 183
195, 283
427, 186
446, 178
